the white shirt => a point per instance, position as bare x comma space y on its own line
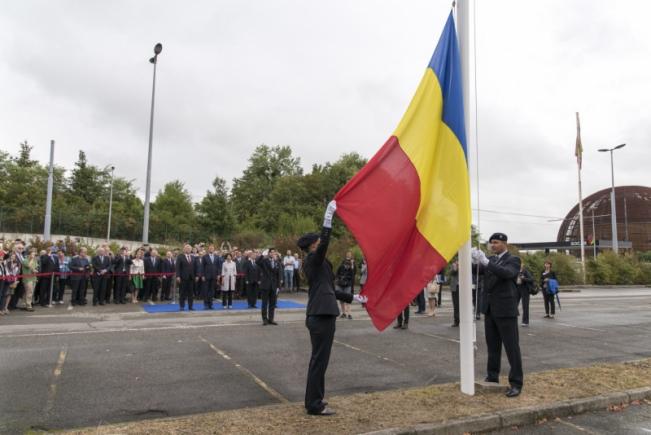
288, 261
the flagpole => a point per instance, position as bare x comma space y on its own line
467, 325
579, 155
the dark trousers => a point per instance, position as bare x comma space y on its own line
227, 298
440, 298
18, 293
100, 283
120, 291
166, 288
322, 334
197, 286
239, 286
523, 294
186, 292
269, 298
420, 300
78, 291
252, 294
44, 290
455, 303
403, 317
503, 330
208, 291
109, 288
297, 279
150, 288
550, 305
59, 289
3, 293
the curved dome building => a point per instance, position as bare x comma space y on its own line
633, 205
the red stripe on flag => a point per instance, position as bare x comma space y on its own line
379, 206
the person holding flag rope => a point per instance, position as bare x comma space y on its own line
322, 310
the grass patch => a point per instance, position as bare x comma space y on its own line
358, 413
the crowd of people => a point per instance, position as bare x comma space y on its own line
31, 278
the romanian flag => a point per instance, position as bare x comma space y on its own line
409, 207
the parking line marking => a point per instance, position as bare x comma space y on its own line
580, 327
576, 426
262, 384
52, 391
440, 337
383, 358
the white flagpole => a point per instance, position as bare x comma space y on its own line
580, 159
467, 325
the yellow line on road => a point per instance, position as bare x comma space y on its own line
262, 384
56, 373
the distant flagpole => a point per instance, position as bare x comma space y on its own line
578, 152
466, 324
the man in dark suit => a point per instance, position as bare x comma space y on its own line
152, 278
80, 267
239, 280
121, 268
101, 265
499, 305
271, 275
168, 268
251, 279
49, 264
185, 277
322, 311
212, 268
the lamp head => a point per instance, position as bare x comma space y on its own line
619, 146
158, 48
603, 150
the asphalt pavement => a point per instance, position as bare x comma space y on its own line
63, 368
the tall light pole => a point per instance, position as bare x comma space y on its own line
613, 210
108, 230
48, 200
145, 226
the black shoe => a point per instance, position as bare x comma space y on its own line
271, 322
324, 412
405, 326
94, 303
487, 379
513, 392
398, 326
265, 322
419, 312
190, 309
102, 303
454, 325
546, 316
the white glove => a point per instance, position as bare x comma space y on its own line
265, 252
329, 214
359, 298
474, 254
482, 258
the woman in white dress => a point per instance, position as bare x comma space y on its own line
229, 274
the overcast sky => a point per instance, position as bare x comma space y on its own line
328, 78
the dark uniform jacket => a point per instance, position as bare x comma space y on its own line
48, 264
151, 267
168, 266
270, 275
322, 296
102, 263
122, 265
212, 269
500, 291
185, 269
78, 265
251, 271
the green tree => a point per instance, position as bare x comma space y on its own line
214, 214
172, 214
266, 166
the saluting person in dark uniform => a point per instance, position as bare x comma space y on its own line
499, 304
322, 311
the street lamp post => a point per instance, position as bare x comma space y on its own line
613, 213
145, 227
108, 231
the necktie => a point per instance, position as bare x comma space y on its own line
188, 258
